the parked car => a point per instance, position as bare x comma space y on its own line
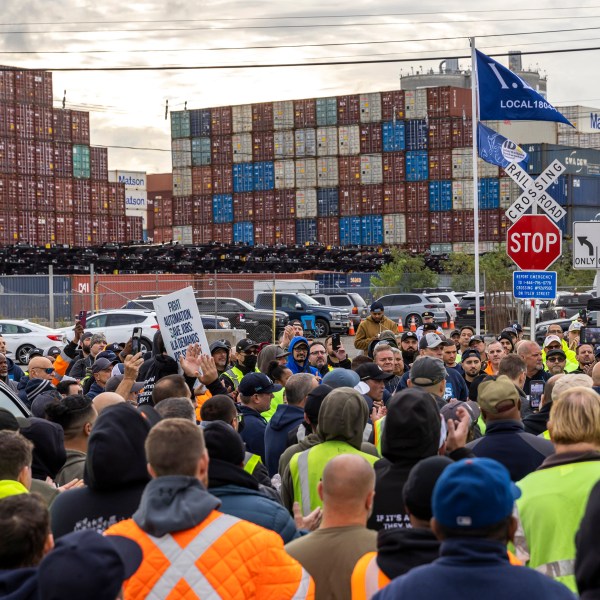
465, 311
409, 307
23, 336
11, 402
567, 305
351, 302
449, 299
297, 305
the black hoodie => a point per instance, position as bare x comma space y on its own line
587, 562
157, 367
115, 474
19, 584
49, 454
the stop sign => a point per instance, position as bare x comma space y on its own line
534, 242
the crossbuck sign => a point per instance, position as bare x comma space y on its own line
535, 191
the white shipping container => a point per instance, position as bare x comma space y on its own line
283, 115
349, 140
371, 169
585, 119
469, 247
415, 104
580, 140
182, 152
526, 132
370, 108
394, 229
242, 147
327, 171
306, 142
136, 199
462, 194
306, 203
306, 173
327, 141
182, 182
285, 174
132, 179
241, 118
182, 234
506, 199
283, 142
462, 165
441, 248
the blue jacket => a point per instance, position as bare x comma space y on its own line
253, 432
295, 367
473, 568
455, 385
285, 419
14, 371
19, 584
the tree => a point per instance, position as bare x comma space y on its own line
498, 269
567, 276
462, 268
404, 273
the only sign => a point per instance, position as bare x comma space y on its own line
534, 242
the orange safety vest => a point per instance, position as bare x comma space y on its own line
200, 400
234, 560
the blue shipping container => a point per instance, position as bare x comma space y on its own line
264, 176
417, 166
243, 177
326, 111
306, 231
578, 161
393, 136
327, 202
201, 152
582, 191
350, 231
371, 230
200, 122
440, 195
222, 208
415, 132
243, 233
489, 193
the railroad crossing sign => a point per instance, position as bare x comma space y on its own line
534, 242
586, 244
535, 191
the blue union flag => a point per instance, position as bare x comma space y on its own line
498, 150
504, 95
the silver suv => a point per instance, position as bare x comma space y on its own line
410, 306
351, 302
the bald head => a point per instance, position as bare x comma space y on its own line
38, 367
596, 374
106, 399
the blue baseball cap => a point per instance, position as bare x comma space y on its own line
474, 493
257, 383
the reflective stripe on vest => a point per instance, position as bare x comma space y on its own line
367, 577
182, 560
304, 484
303, 586
559, 568
378, 427
250, 462
235, 375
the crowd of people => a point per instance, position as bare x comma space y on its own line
434, 463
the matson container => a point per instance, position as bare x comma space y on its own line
370, 107
371, 169
349, 170
285, 174
202, 211
327, 171
243, 207
222, 179
305, 113
371, 199
417, 196
220, 120
284, 205
221, 150
328, 231
241, 118
394, 229
348, 109
284, 145
306, 204
201, 180
61, 127
394, 198
440, 164
371, 139
350, 201
283, 114
392, 105
182, 211
349, 140
305, 142
327, 141
393, 165
242, 147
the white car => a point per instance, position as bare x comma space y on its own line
23, 336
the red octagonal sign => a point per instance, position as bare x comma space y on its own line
534, 242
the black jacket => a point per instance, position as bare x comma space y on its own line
157, 367
537, 423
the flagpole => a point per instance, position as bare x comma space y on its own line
474, 122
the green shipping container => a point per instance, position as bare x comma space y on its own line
201, 152
81, 161
180, 124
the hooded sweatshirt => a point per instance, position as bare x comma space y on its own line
115, 474
411, 433
49, 454
14, 371
160, 365
19, 584
285, 419
221, 346
30, 389
267, 354
294, 366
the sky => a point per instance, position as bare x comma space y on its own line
127, 108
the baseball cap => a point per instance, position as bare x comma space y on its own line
430, 340
409, 335
341, 378
86, 335
476, 338
575, 326
35, 352
113, 383
474, 493
449, 411
372, 371
551, 338
377, 306
455, 332
101, 364
106, 560
296, 322
257, 383
470, 353
427, 314
111, 356
116, 348
245, 344
498, 395
418, 488
53, 351
315, 398
427, 370
280, 352
556, 352
517, 327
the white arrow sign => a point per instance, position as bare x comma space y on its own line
586, 244
535, 191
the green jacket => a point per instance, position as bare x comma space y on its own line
8, 487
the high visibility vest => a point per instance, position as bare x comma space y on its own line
222, 557
235, 375
378, 427
367, 577
275, 402
306, 469
550, 510
250, 462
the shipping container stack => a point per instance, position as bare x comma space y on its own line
53, 185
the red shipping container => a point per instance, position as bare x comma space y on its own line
163, 235
27, 231
64, 229
221, 150
63, 194
265, 206
440, 133
417, 228
305, 113
202, 180
45, 194
328, 231
285, 205
42, 88
263, 145
99, 163
8, 120
182, 210
63, 159
220, 121
96, 202
46, 228
82, 230
348, 109
61, 125
24, 88
44, 158
9, 226
24, 114
135, 229
117, 229
8, 155
264, 233
9, 193
417, 196
82, 200
243, 206
463, 229
350, 201
223, 233
202, 234
116, 199
393, 167
349, 170
370, 138
285, 231
448, 101
462, 132
43, 122
7, 86
163, 212
392, 105
223, 179
490, 225
25, 157
440, 164
394, 198
262, 116
80, 127
202, 210
371, 200
100, 230
103, 191
441, 226
27, 191
149, 216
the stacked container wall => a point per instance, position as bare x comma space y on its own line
441, 226
447, 101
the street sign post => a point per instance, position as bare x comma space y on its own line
534, 242
534, 285
586, 245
